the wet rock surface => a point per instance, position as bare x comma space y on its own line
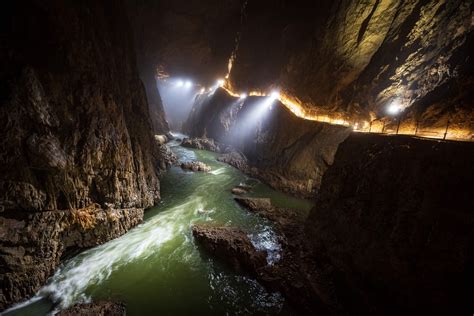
97, 308
230, 245
167, 157
288, 274
74, 133
32, 244
202, 143
241, 190
195, 166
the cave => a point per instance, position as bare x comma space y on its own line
237, 157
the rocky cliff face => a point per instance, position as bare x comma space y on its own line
185, 38
75, 136
394, 218
287, 152
351, 59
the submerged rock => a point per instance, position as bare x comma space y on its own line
103, 308
230, 245
239, 191
201, 143
195, 166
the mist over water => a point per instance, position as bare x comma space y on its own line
177, 100
156, 268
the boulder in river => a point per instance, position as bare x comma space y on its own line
255, 204
231, 245
201, 143
195, 166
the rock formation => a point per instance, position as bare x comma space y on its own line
97, 309
195, 166
202, 143
230, 245
288, 153
351, 59
394, 218
78, 162
289, 275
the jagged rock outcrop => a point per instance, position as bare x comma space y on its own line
195, 166
272, 144
74, 133
231, 245
96, 308
394, 219
202, 143
167, 157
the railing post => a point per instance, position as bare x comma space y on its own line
446, 131
398, 125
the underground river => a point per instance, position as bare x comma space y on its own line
156, 268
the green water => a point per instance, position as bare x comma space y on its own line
157, 269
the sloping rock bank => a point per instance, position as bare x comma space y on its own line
78, 161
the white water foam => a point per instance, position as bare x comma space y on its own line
94, 266
266, 239
218, 171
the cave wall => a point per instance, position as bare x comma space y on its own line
288, 153
191, 39
77, 150
394, 220
351, 59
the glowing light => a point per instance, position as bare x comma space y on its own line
188, 84
243, 95
375, 126
275, 95
180, 83
202, 90
220, 82
394, 107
